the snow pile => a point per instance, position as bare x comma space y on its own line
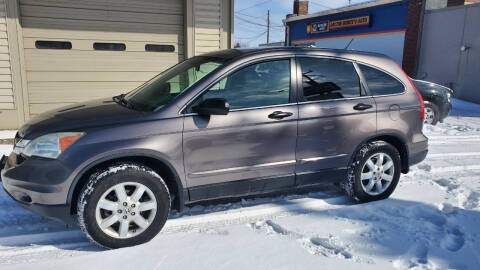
7, 134
430, 222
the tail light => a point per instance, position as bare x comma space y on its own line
420, 98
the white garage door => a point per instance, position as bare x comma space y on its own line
80, 50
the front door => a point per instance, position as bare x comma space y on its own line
335, 116
252, 149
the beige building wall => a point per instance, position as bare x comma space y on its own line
11, 110
69, 68
209, 25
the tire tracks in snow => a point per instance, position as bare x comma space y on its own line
327, 247
434, 140
69, 242
250, 214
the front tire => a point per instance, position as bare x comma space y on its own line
374, 173
123, 205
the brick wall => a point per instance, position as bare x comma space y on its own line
300, 7
412, 37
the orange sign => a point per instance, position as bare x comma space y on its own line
326, 26
357, 21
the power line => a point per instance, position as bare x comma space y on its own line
260, 18
340, 8
254, 37
256, 23
248, 15
261, 3
321, 5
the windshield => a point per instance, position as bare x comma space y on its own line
164, 88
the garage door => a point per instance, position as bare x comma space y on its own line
80, 50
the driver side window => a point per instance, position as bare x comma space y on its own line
258, 85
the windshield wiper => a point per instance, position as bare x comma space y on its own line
120, 99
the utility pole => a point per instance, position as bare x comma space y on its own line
268, 26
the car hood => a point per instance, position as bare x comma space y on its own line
78, 116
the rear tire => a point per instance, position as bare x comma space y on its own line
130, 196
432, 113
374, 173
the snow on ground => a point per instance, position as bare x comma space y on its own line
430, 222
5, 149
7, 134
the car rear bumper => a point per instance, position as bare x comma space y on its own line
417, 157
445, 110
418, 152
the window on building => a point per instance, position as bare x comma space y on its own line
258, 85
159, 48
101, 46
325, 79
55, 45
381, 83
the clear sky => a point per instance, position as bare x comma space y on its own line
251, 17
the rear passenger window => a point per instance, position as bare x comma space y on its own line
380, 83
325, 79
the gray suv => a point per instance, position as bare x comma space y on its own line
225, 124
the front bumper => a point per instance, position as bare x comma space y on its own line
57, 212
39, 185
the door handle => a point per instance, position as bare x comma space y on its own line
279, 115
362, 107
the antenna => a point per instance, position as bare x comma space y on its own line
348, 45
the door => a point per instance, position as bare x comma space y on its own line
252, 149
81, 50
396, 111
335, 116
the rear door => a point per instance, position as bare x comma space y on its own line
395, 110
335, 116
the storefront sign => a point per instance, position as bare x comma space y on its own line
326, 26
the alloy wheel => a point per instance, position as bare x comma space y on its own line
429, 115
126, 210
377, 174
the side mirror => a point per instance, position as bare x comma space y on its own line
212, 106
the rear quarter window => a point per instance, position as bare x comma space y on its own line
381, 83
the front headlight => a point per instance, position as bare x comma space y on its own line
50, 145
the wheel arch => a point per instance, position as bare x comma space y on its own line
153, 161
394, 139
